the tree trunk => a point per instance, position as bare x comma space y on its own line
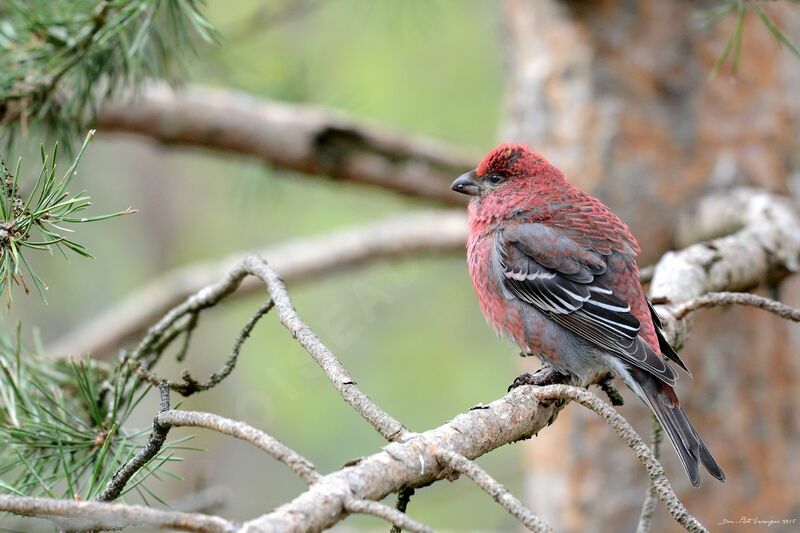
621, 96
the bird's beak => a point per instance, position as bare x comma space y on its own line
467, 184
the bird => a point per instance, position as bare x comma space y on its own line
555, 272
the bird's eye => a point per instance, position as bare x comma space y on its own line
494, 178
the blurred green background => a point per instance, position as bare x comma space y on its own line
409, 332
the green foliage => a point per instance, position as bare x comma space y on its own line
739, 10
36, 221
62, 425
58, 58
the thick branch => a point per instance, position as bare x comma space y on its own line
765, 245
303, 138
427, 233
83, 516
411, 463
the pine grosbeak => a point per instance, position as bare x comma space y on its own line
555, 271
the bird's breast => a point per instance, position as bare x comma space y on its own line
486, 274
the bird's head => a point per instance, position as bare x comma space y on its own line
506, 166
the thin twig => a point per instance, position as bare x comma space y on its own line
72, 515
385, 424
210, 296
167, 419
154, 444
393, 516
717, 299
296, 462
403, 499
189, 385
621, 426
497, 491
651, 499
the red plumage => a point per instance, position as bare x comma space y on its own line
555, 271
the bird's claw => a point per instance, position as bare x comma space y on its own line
546, 375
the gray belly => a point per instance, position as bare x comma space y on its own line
562, 349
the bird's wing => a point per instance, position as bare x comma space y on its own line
550, 271
663, 344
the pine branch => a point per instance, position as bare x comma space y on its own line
739, 9
64, 425
59, 59
37, 220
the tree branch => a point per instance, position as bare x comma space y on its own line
254, 266
488, 484
658, 478
764, 246
388, 427
307, 139
403, 499
154, 444
297, 463
651, 499
426, 233
411, 463
393, 516
73, 515
719, 299
188, 384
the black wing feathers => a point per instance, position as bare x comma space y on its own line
565, 287
663, 344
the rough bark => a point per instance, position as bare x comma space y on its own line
620, 96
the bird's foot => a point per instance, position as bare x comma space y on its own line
607, 386
546, 375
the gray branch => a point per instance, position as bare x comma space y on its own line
720, 299
384, 512
307, 139
403, 236
411, 463
651, 498
73, 515
658, 478
763, 247
488, 484
297, 463
154, 444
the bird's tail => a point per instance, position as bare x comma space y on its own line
690, 447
